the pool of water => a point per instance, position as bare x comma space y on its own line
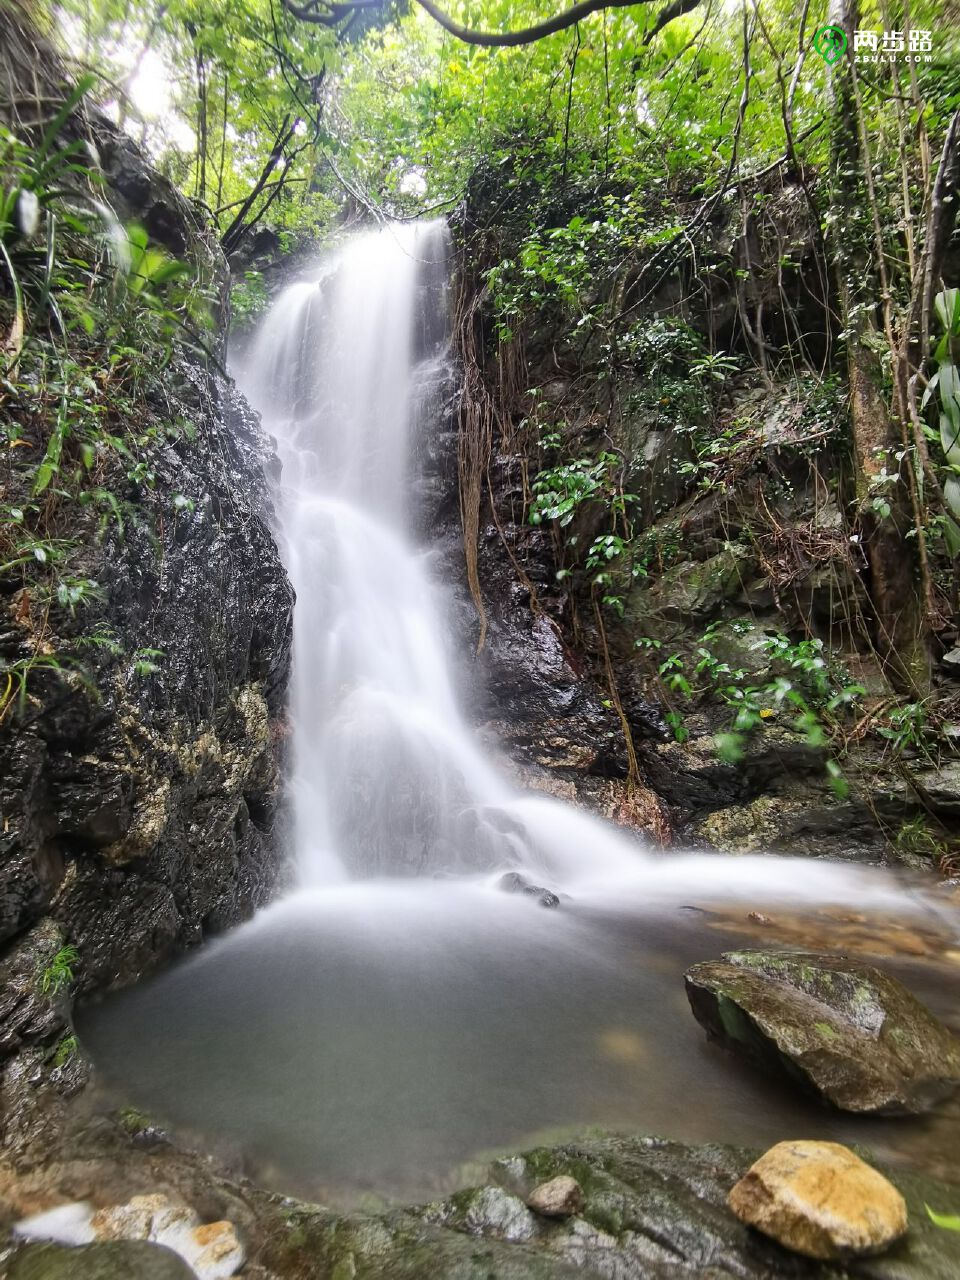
371, 1041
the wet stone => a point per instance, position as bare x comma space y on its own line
115, 1260
561, 1197
513, 882
819, 1199
846, 1031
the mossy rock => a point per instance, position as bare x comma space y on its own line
847, 1031
653, 1210
115, 1260
692, 591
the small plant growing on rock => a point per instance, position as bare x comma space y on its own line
65, 1050
59, 972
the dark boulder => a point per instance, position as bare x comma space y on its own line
514, 882
846, 1031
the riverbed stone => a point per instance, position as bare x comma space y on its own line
115, 1260
821, 1200
561, 1197
850, 1033
514, 882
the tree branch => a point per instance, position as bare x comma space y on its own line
324, 14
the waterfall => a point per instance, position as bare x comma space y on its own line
394, 1016
388, 779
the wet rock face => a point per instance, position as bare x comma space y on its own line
144, 813
534, 698
34, 1005
820, 1200
140, 808
513, 882
850, 1033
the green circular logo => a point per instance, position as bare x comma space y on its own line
830, 43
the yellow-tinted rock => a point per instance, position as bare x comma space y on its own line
821, 1200
559, 1198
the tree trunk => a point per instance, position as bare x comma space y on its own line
884, 509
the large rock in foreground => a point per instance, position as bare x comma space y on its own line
854, 1035
820, 1200
651, 1210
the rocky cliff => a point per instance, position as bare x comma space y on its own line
139, 775
701, 602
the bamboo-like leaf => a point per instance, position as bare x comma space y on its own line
51, 459
950, 436
81, 89
947, 307
951, 535
949, 1221
951, 492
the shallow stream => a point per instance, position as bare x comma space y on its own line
369, 1042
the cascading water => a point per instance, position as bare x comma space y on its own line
388, 780
396, 1014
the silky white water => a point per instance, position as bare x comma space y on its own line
397, 1014
388, 779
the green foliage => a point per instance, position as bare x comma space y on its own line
143, 661
95, 314
133, 1120
560, 492
805, 690
65, 1050
945, 384
248, 298
235, 78
907, 729
717, 367
948, 1222
915, 837
59, 972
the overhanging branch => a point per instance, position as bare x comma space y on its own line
329, 13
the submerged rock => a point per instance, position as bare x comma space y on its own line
513, 882
820, 1200
561, 1197
854, 1035
120, 1260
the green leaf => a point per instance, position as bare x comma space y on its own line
951, 535
82, 88
949, 1222
951, 491
947, 307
